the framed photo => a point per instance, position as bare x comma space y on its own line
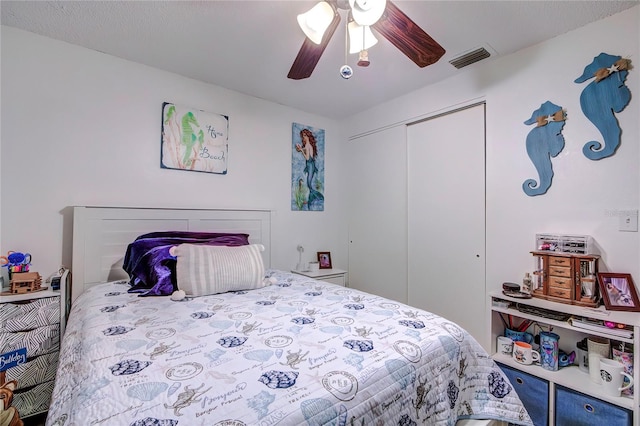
324, 257
618, 292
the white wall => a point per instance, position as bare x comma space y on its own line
83, 128
585, 195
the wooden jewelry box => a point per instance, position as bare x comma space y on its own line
566, 278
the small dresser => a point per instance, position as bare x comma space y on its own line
32, 321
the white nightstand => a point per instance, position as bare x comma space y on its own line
334, 276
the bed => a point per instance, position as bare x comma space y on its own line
294, 351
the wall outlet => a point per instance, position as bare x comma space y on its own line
628, 221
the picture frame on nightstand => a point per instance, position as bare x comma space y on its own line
618, 292
324, 258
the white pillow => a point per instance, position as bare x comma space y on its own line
203, 270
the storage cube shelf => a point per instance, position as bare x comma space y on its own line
565, 383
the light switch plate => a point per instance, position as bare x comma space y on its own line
629, 221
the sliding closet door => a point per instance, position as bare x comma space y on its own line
446, 217
378, 213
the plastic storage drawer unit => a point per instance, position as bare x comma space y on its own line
575, 408
533, 392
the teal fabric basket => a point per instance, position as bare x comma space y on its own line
533, 392
577, 409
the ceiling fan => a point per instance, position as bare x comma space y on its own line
386, 18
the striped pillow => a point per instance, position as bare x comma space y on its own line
203, 270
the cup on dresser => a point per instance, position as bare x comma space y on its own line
314, 266
594, 366
626, 359
583, 360
598, 347
612, 376
583, 355
505, 346
523, 353
549, 350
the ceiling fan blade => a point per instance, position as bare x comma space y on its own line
407, 36
310, 53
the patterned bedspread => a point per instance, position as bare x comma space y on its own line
297, 352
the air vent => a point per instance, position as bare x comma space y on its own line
470, 58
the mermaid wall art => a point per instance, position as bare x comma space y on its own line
307, 168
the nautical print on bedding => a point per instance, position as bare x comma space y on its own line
297, 352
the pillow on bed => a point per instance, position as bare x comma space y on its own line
203, 270
151, 267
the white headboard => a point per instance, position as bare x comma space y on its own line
101, 235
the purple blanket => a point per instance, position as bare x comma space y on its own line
151, 268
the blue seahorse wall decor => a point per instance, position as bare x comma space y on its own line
605, 96
544, 142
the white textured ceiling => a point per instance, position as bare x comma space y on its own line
249, 46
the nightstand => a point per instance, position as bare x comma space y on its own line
333, 276
33, 322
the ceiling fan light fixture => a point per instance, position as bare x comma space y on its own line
367, 12
315, 22
360, 37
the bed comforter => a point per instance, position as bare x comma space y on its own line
297, 352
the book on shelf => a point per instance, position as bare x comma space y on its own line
600, 327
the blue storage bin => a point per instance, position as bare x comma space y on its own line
533, 392
575, 408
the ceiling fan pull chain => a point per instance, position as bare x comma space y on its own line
364, 34
346, 40
345, 71
363, 58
